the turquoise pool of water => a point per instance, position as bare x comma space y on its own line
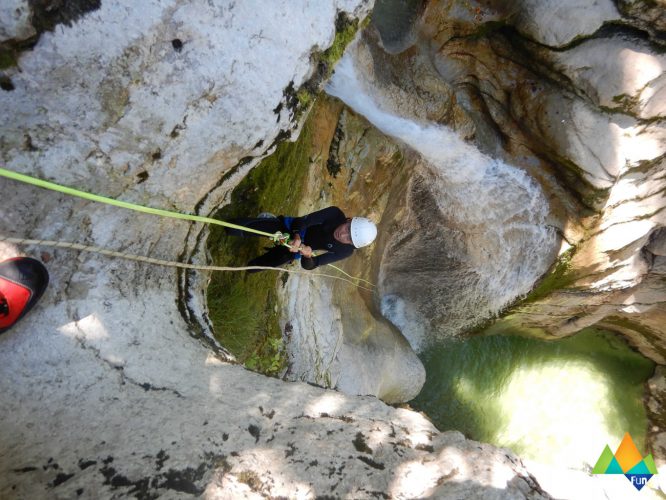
555, 402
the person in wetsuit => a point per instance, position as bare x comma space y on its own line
327, 229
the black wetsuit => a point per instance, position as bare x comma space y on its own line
316, 230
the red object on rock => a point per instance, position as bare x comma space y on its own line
22, 283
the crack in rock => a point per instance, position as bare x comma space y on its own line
124, 378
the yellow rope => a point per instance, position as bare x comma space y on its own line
149, 260
350, 276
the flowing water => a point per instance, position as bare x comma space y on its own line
478, 224
556, 402
475, 237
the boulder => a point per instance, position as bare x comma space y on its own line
556, 23
617, 73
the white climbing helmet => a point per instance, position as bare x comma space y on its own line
363, 231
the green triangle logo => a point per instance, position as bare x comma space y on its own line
604, 461
627, 454
649, 463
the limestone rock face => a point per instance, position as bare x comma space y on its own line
223, 432
583, 119
655, 407
572, 94
559, 23
111, 387
581, 135
650, 16
344, 346
618, 73
15, 20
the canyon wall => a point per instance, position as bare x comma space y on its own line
112, 386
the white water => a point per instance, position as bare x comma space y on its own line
495, 211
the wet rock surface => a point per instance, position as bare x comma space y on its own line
111, 386
573, 96
584, 119
656, 399
336, 335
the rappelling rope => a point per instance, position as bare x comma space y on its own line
350, 276
149, 260
124, 204
278, 237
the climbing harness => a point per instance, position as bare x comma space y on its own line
278, 238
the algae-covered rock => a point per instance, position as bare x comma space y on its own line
335, 334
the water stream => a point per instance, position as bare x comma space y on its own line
476, 237
554, 402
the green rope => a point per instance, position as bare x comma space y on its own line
278, 237
123, 204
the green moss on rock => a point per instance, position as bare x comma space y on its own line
7, 58
345, 31
558, 278
244, 307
